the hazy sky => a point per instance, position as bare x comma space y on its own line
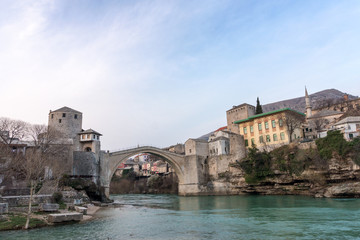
160, 72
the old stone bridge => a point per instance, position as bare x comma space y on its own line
188, 168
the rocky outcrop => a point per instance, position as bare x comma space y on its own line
64, 217
341, 179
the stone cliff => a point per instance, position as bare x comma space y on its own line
327, 168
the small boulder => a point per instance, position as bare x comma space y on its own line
82, 210
49, 207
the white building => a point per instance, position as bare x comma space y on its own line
349, 126
219, 143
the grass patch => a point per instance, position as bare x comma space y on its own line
62, 205
18, 222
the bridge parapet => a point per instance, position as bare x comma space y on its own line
144, 149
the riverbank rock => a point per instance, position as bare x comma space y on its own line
82, 210
4, 208
64, 217
73, 196
351, 189
49, 207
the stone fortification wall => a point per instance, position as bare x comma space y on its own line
85, 164
14, 201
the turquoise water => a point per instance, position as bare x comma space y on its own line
213, 217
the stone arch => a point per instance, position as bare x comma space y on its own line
114, 159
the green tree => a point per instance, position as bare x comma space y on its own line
258, 107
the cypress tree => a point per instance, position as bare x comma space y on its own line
258, 109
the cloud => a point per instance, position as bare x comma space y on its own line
162, 71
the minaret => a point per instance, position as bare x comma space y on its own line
308, 106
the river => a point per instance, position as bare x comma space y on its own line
213, 217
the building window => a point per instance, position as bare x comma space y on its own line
52, 116
261, 139
59, 120
273, 123
98, 137
282, 136
268, 138
189, 150
75, 116
251, 129
245, 130
266, 125
94, 136
275, 137
246, 143
64, 115
280, 122
88, 136
252, 142
260, 126
82, 136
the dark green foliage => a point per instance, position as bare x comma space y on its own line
154, 182
38, 187
57, 197
354, 145
292, 160
258, 109
333, 142
257, 166
129, 174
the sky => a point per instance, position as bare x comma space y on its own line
160, 72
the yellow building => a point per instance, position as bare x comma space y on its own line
273, 129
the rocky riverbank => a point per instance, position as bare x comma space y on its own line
328, 167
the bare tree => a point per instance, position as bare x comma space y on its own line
12, 130
320, 123
42, 159
292, 121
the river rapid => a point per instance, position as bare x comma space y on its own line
213, 217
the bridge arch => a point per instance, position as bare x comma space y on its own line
114, 159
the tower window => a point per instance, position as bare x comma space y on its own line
75, 116
59, 120
64, 115
52, 116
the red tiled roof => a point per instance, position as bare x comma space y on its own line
220, 129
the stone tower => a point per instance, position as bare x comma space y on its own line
68, 122
308, 105
236, 113
90, 141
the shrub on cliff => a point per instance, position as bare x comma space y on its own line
334, 142
257, 166
292, 159
355, 149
